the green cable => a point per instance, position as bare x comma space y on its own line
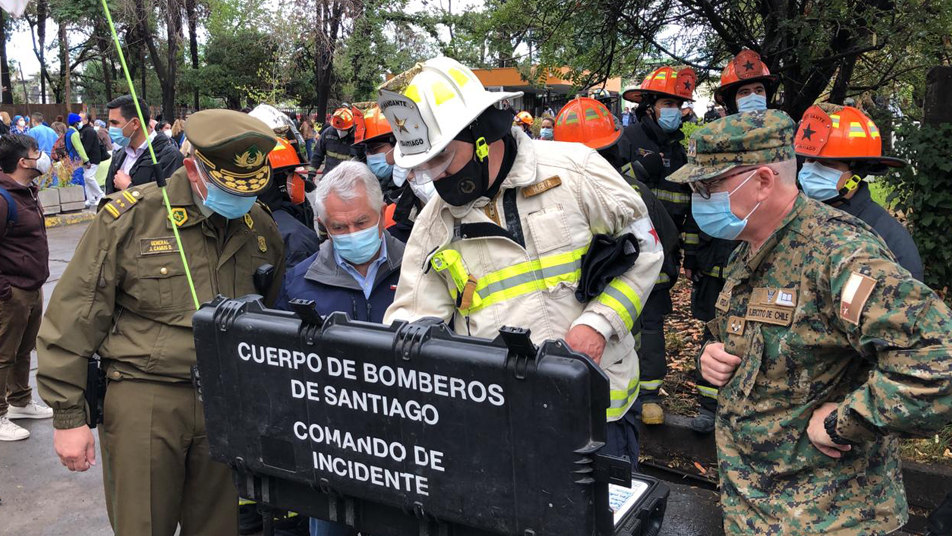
145, 131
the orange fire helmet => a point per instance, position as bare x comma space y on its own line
375, 126
524, 118
745, 68
283, 155
284, 158
847, 135
343, 119
586, 120
665, 82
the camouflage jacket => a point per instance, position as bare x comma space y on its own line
822, 313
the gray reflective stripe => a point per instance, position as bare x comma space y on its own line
709, 392
622, 402
528, 277
622, 299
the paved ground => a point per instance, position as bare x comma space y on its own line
40, 497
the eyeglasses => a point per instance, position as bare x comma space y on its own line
706, 187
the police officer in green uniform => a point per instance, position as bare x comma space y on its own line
125, 297
826, 351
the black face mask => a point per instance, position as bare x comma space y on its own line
466, 185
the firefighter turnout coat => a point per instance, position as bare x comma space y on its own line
516, 260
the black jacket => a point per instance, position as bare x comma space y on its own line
300, 241
663, 224
896, 236
646, 137
168, 155
331, 149
91, 144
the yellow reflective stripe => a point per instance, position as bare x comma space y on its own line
529, 276
856, 130
243, 501
873, 131
414, 93
623, 300
716, 271
442, 92
339, 156
836, 120
709, 392
671, 197
651, 385
621, 400
691, 239
662, 279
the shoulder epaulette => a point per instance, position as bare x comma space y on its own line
120, 204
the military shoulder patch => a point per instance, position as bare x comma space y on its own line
121, 203
179, 216
262, 244
857, 290
539, 187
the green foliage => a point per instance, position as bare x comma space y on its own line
921, 192
235, 64
688, 129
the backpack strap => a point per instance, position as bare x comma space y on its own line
11, 206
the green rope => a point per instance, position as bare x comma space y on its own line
145, 131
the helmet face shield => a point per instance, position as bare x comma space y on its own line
433, 168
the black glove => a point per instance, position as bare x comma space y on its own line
607, 258
653, 165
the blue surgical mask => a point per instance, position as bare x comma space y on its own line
358, 247
378, 164
714, 215
115, 134
670, 119
752, 103
819, 181
228, 205
545, 133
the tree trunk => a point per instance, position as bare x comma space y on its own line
64, 63
104, 45
42, 12
842, 83
329, 21
164, 72
192, 13
7, 91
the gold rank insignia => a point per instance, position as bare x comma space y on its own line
262, 244
179, 216
249, 222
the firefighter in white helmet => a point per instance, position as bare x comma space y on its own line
503, 243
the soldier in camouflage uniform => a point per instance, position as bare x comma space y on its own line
826, 351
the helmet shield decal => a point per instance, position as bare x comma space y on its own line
408, 126
814, 132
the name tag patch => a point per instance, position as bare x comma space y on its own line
780, 316
157, 246
723, 302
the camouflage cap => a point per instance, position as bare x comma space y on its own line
742, 139
231, 148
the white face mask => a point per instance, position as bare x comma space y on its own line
167, 132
